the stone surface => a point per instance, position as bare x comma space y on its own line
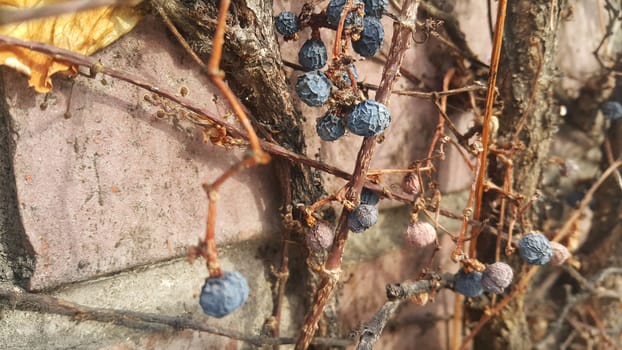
372, 259
112, 186
170, 288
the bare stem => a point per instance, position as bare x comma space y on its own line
490, 100
397, 293
22, 300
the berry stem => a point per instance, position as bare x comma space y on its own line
211, 253
342, 20
440, 128
216, 77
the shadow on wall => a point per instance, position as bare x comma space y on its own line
16, 254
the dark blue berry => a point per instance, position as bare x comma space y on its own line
535, 249
468, 284
612, 110
287, 24
375, 7
313, 88
362, 217
330, 127
333, 14
312, 54
220, 296
371, 37
369, 118
369, 197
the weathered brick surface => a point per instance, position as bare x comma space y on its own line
111, 186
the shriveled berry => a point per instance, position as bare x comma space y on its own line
535, 249
560, 253
375, 7
313, 88
333, 14
496, 277
369, 118
312, 54
220, 296
468, 284
369, 197
612, 110
362, 217
287, 24
330, 127
410, 183
420, 234
320, 236
370, 39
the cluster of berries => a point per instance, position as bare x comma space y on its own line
360, 116
320, 236
534, 248
495, 278
365, 215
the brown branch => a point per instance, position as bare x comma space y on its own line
397, 293
400, 43
406, 290
490, 100
16, 298
566, 229
372, 330
217, 78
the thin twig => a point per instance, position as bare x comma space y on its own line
22, 300
490, 100
396, 294
592, 288
566, 229
180, 38
442, 108
372, 330
432, 96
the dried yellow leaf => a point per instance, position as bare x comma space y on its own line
84, 32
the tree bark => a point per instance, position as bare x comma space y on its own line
253, 68
526, 77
